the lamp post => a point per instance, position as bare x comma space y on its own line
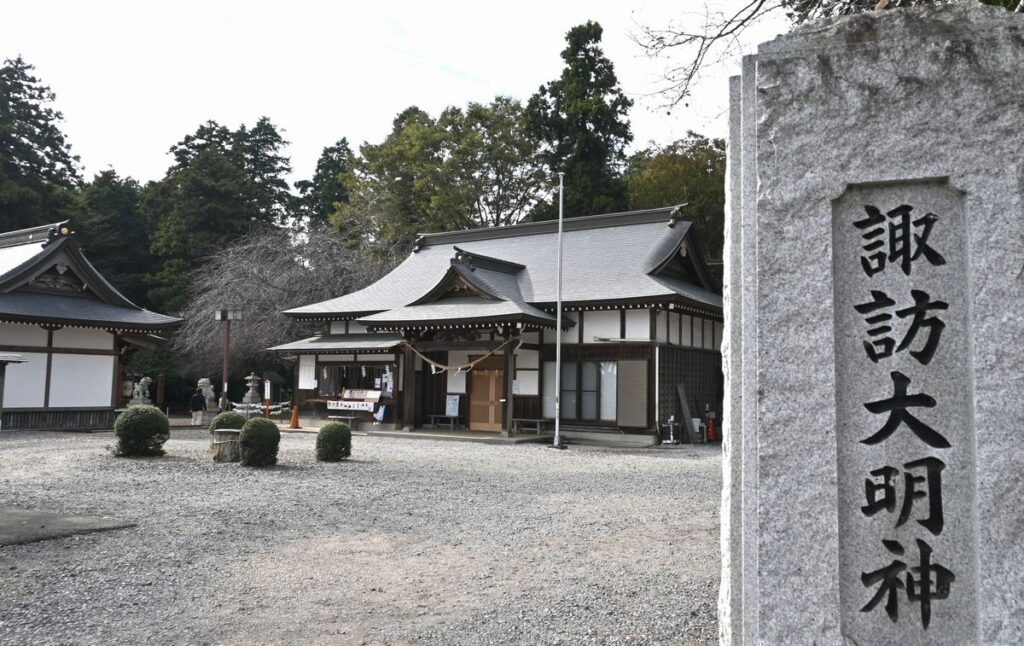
558, 322
227, 316
6, 358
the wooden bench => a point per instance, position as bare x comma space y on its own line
523, 423
451, 420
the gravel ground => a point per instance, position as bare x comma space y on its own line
410, 542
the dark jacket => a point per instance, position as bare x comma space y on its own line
198, 402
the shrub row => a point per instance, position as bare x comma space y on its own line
142, 431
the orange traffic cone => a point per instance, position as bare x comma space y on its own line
295, 418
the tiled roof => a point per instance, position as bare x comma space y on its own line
605, 258
27, 253
78, 310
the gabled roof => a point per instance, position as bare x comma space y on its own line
45, 278
620, 257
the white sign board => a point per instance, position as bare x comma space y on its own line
350, 405
451, 406
266, 389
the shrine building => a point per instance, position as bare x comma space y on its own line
71, 327
463, 332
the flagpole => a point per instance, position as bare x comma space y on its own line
558, 319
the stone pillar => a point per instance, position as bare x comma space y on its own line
873, 359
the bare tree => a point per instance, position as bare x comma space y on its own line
717, 34
264, 274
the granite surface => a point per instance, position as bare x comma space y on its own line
911, 106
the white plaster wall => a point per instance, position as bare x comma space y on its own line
604, 324
457, 382
673, 328
81, 380
698, 332
662, 329
14, 334
529, 382
548, 400
687, 333
572, 334
25, 383
355, 328
718, 336
709, 335
532, 338
307, 372
527, 358
638, 324
328, 358
72, 337
337, 327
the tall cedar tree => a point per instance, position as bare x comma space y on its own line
581, 118
114, 234
223, 185
37, 170
328, 187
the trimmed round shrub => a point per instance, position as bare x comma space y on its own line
333, 442
258, 442
141, 431
227, 419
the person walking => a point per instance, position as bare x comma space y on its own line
197, 404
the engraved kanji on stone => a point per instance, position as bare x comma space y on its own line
882, 344
932, 582
882, 494
907, 239
897, 406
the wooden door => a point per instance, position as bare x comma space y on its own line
486, 389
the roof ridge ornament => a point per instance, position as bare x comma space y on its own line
676, 214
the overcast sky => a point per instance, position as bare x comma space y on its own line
132, 78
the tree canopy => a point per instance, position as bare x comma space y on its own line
38, 173
467, 168
114, 234
689, 171
328, 187
581, 120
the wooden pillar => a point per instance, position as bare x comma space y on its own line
3, 377
510, 375
408, 386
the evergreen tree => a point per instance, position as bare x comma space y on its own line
37, 170
114, 234
223, 184
328, 186
690, 171
581, 119
467, 168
